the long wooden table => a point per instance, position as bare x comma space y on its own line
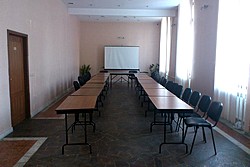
154, 92
169, 105
152, 85
147, 81
164, 102
93, 91
90, 91
144, 86
93, 85
77, 105
142, 76
84, 101
158, 92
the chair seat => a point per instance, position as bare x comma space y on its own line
213, 113
131, 76
193, 114
183, 115
196, 121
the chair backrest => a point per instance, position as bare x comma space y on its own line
163, 81
170, 85
132, 74
174, 87
81, 80
214, 111
194, 98
186, 94
132, 71
204, 104
153, 74
88, 75
156, 76
76, 85
178, 90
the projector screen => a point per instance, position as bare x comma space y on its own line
121, 57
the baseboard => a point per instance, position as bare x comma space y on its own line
6, 132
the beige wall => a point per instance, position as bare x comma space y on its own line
53, 38
205, 25
94, 36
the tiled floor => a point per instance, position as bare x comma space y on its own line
122, 138
14, 150
17, 151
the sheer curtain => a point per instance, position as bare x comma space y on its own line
165, 45
232, 61
184, 54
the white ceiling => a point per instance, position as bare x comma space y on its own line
122, 10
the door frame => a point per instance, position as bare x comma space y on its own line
26, 68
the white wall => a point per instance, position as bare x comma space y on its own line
94, 36
205, 25
53, 46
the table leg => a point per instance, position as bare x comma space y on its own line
66, 133
164, 140
85, 134
164, 132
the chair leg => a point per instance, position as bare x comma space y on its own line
170, 121
204, 135
182, 119
213, 141
177, 124
193, 139
185, 134
171, 126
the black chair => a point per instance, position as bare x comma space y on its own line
186, 95
178, 90
131, 76
193, 101
153, 74
163, 81
202, 106
213, 114
169, 85
76, 85
87, 75
81, 80
194, 98
156, 76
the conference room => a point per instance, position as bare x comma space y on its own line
177, 42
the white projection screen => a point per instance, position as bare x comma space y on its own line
121, 57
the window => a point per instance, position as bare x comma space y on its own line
165, 45
185, 42
232, 60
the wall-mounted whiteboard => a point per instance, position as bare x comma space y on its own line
121, 57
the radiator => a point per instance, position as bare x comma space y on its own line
240, 107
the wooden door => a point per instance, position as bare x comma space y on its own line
17, 78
